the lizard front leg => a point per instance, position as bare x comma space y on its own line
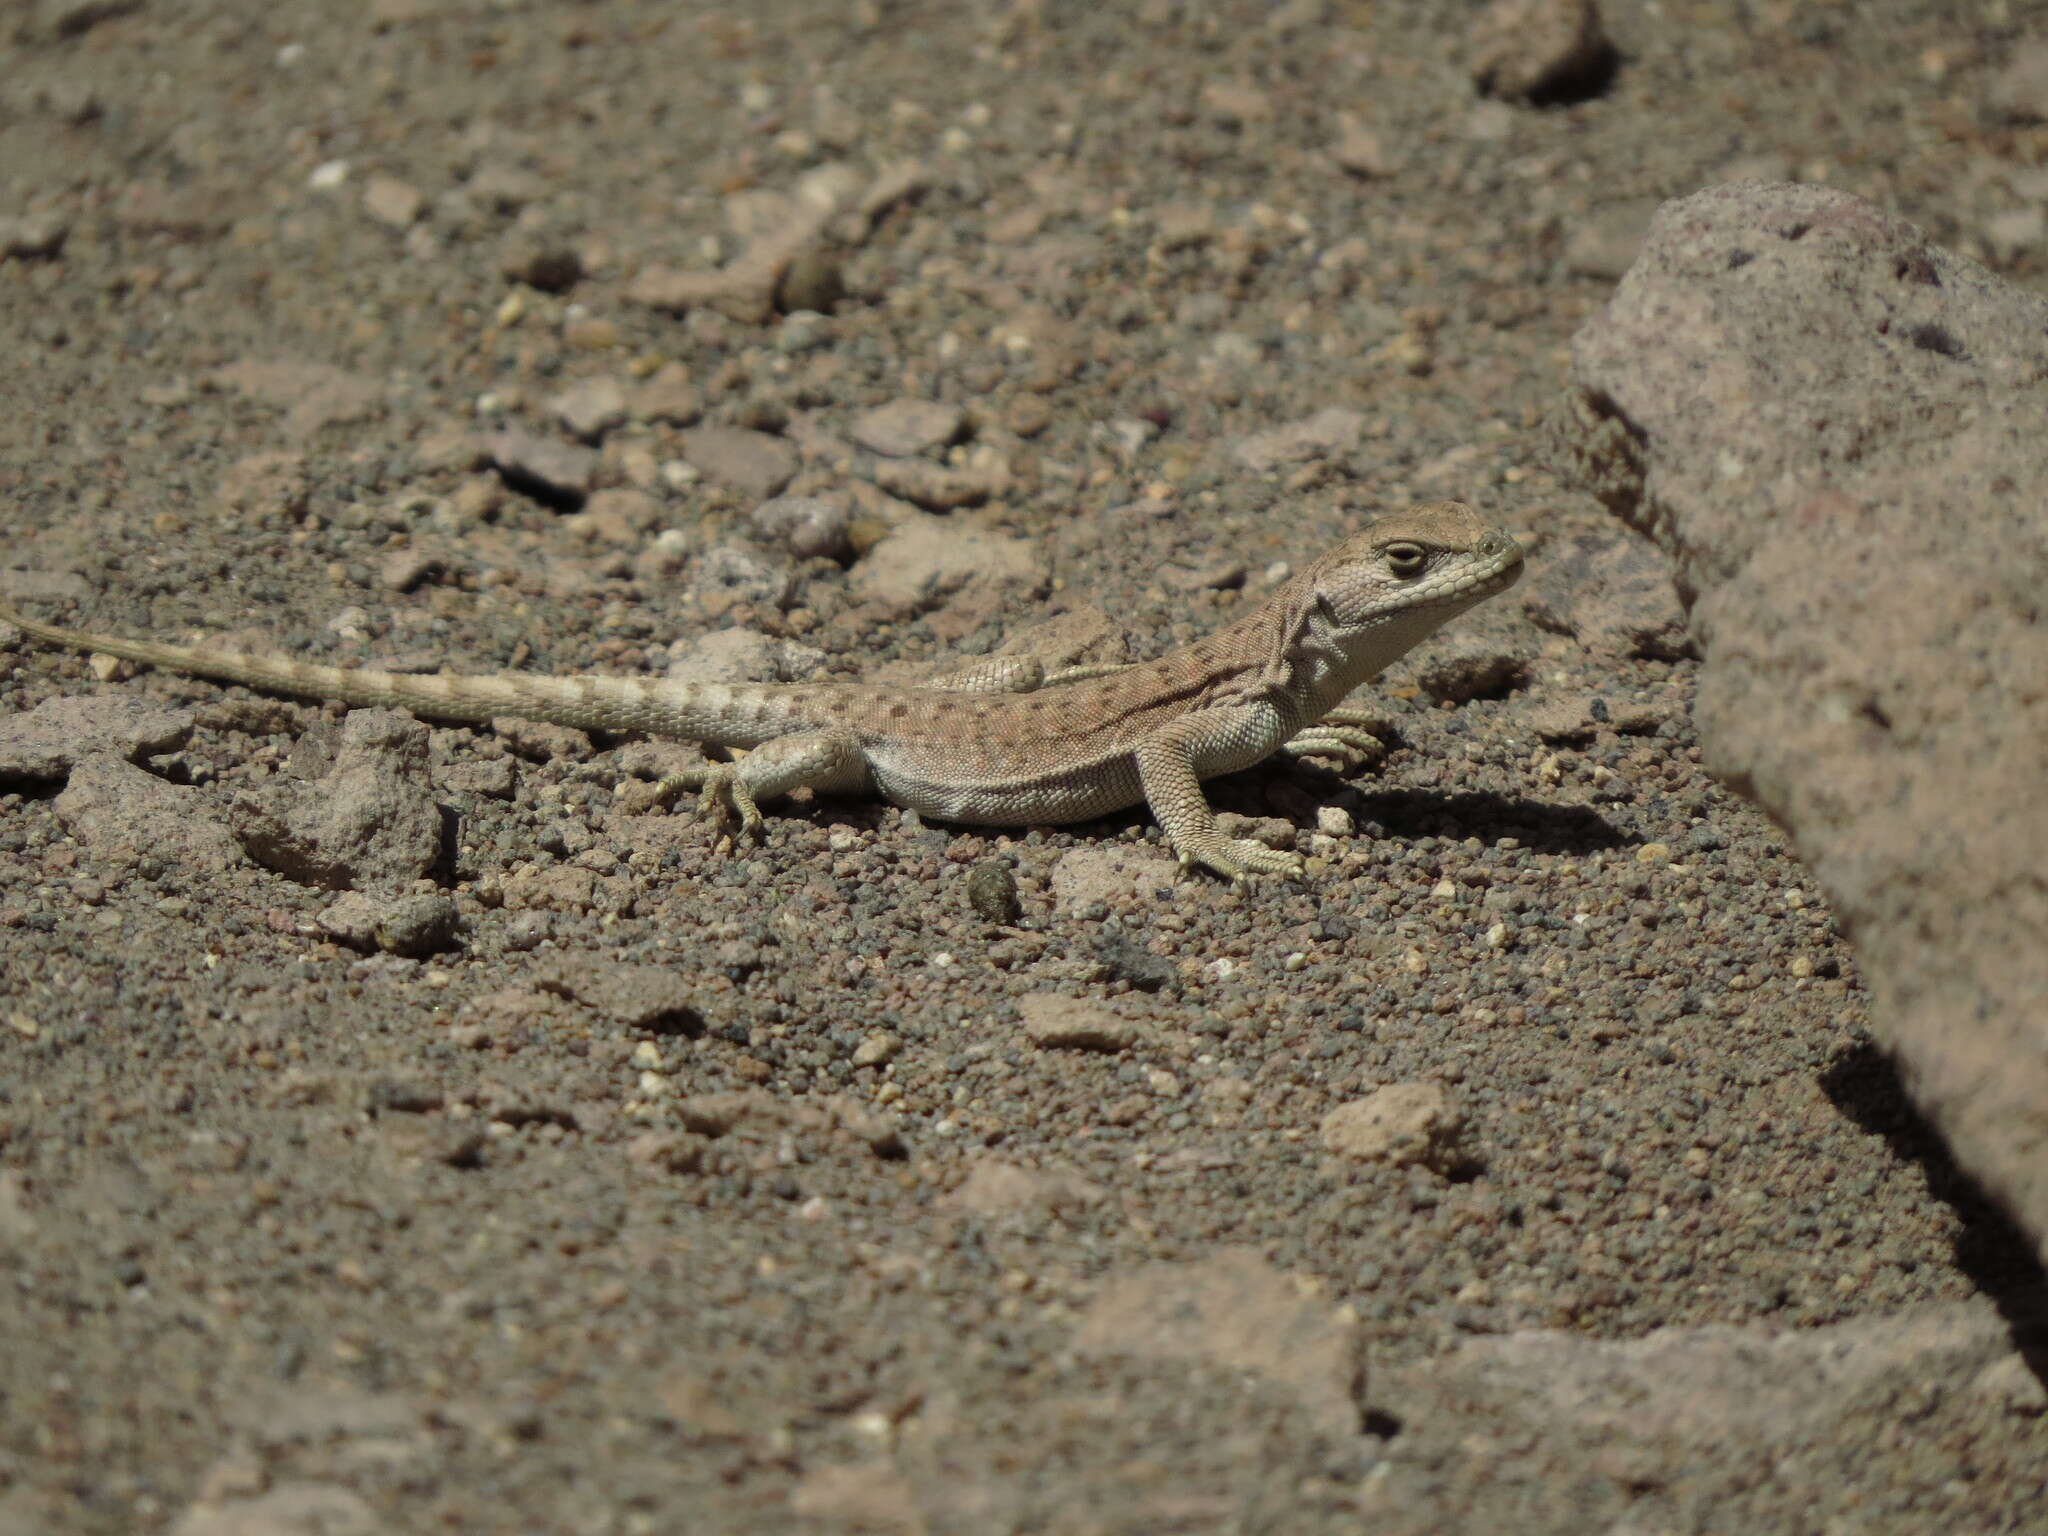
1166, 769
831, 761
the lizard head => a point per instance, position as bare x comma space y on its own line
1413, 570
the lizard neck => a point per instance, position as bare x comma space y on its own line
1327, 662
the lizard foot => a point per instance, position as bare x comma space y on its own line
1237, 858
1326, 740
722, 795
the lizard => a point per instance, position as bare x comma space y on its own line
1004, 743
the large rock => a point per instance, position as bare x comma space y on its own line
1835, 429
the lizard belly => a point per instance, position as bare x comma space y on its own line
1009, 800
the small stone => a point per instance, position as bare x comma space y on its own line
1402, 1124
357, 809
505, 188
1232, 102
126, 815
2011, 1385
667, 1152
1605, 245
733, 573
814, 282
808, 527
2014, 233
646, 999
906, 427
2019, 91
1328, 434
992, 892
391, 201
1071, 1023
1235, 1313
1358, 148
590, 407
878, 1049
997, 1189
939, 487
925, 559
753, 463
414, 924
555, 472
1028, 415
494, 778
43, 743
1461, 666
36, 236
404, 569
540, 262
1535, 50
667, 396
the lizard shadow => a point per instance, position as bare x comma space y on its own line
1574, 830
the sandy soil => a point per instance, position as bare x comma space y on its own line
297, 1237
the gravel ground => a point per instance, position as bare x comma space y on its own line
812, 1187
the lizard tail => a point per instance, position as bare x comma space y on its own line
590, 703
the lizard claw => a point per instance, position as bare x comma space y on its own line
1236, 859
722, 796
1339, 741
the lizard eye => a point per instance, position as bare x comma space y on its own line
1406, 559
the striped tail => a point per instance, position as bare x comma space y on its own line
590, 703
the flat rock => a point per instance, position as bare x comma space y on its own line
942, 487
1115, 874
1708, 1386
667, 396
1462, 666
808, 527
648, 999
757, 464
124, 815
312, 395
1400, 1124
1528, 50
590, 407
408, 923
1002, 1190
357, 811
904, 427
926, 559
1328, 434
1612, 595
1833, 427
561, 472
47, 741
1233, 1312
1075, 1024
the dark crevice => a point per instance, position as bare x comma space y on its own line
1999, 1258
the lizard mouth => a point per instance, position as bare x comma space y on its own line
1502, 569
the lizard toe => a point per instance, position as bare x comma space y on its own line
1238, 858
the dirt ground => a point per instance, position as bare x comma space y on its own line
802, 1188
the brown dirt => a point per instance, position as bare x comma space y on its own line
481, 1241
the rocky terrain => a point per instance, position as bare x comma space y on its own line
1630, 1126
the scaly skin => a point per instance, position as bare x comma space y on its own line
1003, 744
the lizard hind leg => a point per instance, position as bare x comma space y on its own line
830, 761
